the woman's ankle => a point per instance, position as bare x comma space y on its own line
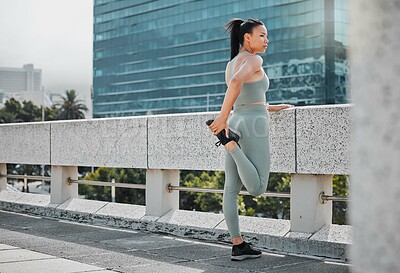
230, 146
237, 240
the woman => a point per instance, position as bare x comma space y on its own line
246, 134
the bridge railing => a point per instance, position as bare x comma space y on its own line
311, 143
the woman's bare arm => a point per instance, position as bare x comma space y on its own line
251, 65
278, 107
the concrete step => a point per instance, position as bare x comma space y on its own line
270, 234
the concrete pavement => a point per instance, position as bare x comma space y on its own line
35, 244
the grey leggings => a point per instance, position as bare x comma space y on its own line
248, 165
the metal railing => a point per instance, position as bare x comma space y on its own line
105, 184
171, 188
26, 177
322, 196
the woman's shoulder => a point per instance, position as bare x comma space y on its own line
254, 60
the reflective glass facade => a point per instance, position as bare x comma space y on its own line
169, 56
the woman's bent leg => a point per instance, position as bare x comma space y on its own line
253, 158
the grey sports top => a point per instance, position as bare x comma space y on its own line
251, 91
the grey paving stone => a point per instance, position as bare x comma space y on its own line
260, 225
34, 224
21, 239
111, 260
193, 252
192, 218
51, 246
50, 265
82, 205
334, 233
206, 267
103, 271
98, 236
146, 242
10, 196
5, 247
173, 268
15, 255
316, 266
122, 210
34, 199
265, 261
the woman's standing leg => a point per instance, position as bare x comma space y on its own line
232, 187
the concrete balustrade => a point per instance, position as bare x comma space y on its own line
158, 200
114, 142
323, 139
311, 143
307, 214
25, 143
61, 191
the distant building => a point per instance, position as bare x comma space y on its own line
20, 79
170, 56
37, 98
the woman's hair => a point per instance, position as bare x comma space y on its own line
238, 27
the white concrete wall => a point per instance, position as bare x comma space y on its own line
25, 143
316, 138
375, 185
114, 142
323, 139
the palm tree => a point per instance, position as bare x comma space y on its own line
71, 108
9, 117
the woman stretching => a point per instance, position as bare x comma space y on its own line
245, 134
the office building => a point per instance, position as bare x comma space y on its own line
155, 57
20, 79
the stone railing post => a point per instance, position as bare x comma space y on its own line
158, 200
60, 190
307, 213
3, 180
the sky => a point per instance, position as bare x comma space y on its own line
55, 36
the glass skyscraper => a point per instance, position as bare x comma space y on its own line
169, 56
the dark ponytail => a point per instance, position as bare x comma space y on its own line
233, 26
237, 28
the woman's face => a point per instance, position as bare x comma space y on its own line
258, 40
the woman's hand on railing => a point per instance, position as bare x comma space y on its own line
278, 107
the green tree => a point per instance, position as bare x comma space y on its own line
122, 195
51, 113
211, 202
340, 188
10, 112
9, 117
30, 112
71, 107
273, 207
12, 106
14, 112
